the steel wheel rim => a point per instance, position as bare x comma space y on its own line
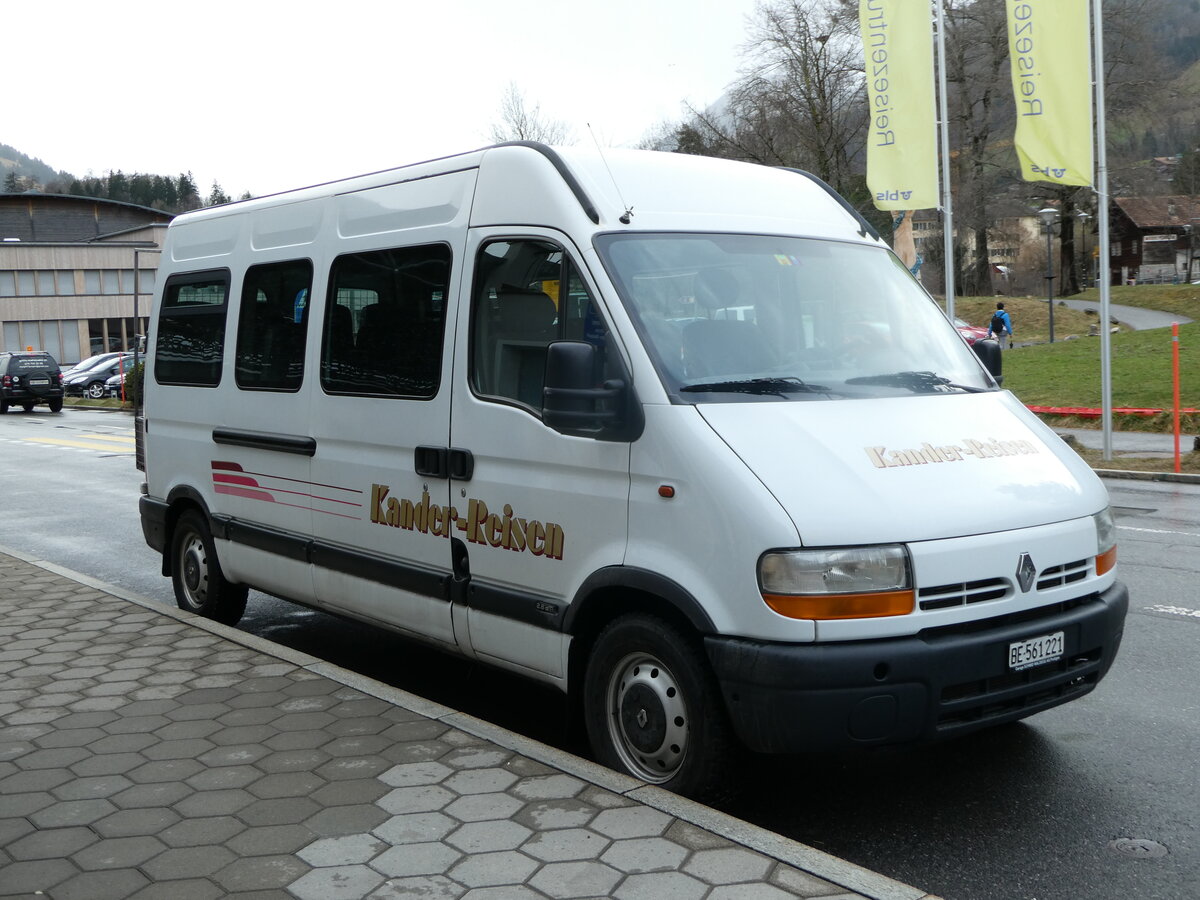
193, 571
647, 718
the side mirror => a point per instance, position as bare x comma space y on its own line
990, 355
573, 404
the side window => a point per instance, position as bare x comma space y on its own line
272, 323
527, 294
385, 321
191, 329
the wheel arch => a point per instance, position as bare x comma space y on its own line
615, 591
180, 499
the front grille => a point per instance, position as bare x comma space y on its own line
1067, 573
964, 593
944, 596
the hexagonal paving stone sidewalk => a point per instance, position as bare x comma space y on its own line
147, 753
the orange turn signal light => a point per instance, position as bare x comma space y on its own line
842, 606
1106, 560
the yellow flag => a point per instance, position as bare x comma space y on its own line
1049, 45
897, 40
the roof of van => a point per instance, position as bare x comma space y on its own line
614, 189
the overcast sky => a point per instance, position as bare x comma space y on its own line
265, 95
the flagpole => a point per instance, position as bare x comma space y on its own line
947, 205
1104, 268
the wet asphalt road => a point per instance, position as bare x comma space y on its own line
1072, 803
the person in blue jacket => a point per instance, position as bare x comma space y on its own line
1001, 326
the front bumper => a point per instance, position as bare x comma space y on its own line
786, 698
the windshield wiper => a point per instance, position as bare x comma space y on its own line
918, 382
790, 385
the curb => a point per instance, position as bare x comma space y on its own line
823, 865
1178, 478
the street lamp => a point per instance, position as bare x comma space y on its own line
1083, 218
1049, 215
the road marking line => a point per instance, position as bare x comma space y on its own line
60, 442
1157, 530
1175, 610
119, 438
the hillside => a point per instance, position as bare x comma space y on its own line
13, 160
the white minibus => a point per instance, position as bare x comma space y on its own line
680, 436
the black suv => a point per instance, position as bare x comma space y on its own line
27, 379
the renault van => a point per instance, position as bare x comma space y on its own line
679, 436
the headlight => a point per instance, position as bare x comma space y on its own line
1106, 541
843, 583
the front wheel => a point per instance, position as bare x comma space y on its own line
653, 709
95, 390
200, 585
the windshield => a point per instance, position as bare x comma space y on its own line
747, 318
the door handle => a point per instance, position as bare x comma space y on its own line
444, 462
432, 462
462, 464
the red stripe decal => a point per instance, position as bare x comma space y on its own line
235, 479
244, 492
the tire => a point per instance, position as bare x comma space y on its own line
95, 390
200, 585
28, 407
3, 407
653, 709
56, 404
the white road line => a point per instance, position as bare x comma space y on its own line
1157, 530
1174, 610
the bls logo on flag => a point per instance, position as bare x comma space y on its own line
1048, 43
897, 40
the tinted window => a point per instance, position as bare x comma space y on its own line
191, 329
272, 324
385, 321
527, 294
31, 363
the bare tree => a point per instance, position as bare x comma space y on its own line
520, 122
978, 96
799, 100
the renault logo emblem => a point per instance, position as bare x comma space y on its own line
1026, 572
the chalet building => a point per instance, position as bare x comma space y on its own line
67, 281
1153, 239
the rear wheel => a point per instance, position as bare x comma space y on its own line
653, 709
56, 404
200, 585
3, 407
28, 407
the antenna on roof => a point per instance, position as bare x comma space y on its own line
627, 216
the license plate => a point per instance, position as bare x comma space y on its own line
1035, 651
39, 382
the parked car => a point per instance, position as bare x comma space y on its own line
91, 382
972, 333
29, 378
112, 387
89, 363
